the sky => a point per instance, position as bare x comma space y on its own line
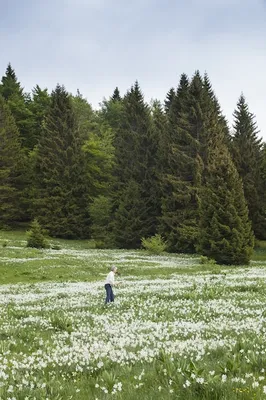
96, 45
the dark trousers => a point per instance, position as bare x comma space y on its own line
109, 293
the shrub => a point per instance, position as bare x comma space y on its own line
205, 260
5, 243
36, 236
154, 244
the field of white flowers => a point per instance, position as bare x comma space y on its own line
190, 335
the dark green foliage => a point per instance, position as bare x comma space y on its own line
130, 217
10, 84
11, 168
116, 95
216, 109
19, 104
135, 191
36, 236
62, 201
100, 215
194, 123
39, 107
248, 158
170, 96
225, 229
260, 227
181, 174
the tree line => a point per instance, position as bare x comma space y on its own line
131, 170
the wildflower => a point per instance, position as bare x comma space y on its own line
200, 380
224, 378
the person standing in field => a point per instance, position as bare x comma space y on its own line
109, 283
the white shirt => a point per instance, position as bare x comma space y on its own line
110, 278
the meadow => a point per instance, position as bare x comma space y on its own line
177, 329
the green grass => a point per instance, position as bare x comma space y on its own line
26, 265
21, 264
177, 330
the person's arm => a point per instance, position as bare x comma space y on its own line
113, 281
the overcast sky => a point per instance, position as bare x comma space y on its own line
96, 45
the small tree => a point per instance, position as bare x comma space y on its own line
154, 244
36, 236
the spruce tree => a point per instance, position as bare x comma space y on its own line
192, 124
170, 96
135, 186
9, 84
39, 107
215, 105
130, 219
248, 156
181, 175
116, 95
36, 236
225, 230
62, 201
11, 168
19, 104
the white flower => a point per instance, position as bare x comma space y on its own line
200, 380
224, 378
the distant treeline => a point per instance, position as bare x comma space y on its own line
131, 170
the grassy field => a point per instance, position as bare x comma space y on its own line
177, 329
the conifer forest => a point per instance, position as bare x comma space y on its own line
131, 170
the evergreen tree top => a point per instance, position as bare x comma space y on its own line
244, 122
183, 83
135, 95
170, 96
10, 85
10, 72
38, 91
196, 80
58, 95
116, 95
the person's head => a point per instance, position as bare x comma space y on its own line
114, 269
